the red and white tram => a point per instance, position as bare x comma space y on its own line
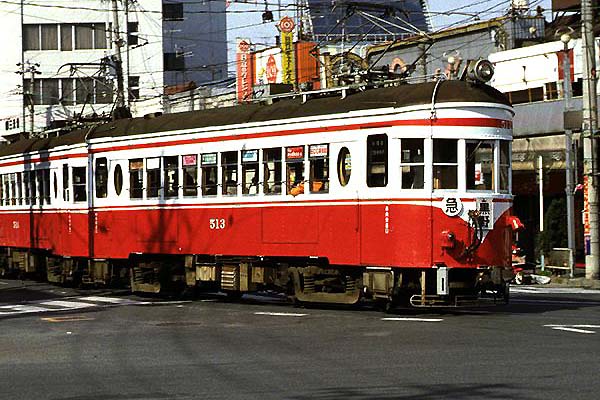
400, 193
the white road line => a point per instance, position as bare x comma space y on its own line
280, 314
564, 302
21, 309
3, 283
564, 328
413, 319
552, 290
67, 305
574, 328
110, 300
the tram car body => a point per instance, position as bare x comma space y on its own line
399, 193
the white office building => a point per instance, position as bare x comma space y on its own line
59, 56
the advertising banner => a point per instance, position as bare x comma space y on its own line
244, 71
286, 26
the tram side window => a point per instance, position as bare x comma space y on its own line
101, 177
377, 160
209, 174
480, 165
412, 163
65, 173
294, 162
272, 170
249, 172
189, 164
152, 177
318, 156
445, 164
79, 181
46, 178
32, 187
171, 176
20, 188
1, 190
504, 165
229, 170
13, 189
136, 178
39, 190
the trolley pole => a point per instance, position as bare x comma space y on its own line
569, 177
589, 129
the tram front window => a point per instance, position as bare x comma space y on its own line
445, 164
480, 165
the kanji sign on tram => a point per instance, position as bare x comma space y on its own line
452, 206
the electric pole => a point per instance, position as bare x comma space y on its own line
31, 69
589, 129
120, 99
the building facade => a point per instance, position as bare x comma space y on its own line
60, 60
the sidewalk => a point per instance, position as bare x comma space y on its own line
579, 282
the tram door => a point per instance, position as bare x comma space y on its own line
345, 179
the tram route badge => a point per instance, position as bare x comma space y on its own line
486, 217
452, 206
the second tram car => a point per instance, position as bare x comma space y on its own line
401, 194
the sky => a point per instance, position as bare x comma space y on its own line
245, 20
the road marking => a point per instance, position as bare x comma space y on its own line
70, 304
563, 302
552, 290
574, 328
413, 319
70, 318
3, 283
280, 314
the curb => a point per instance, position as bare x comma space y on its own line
575, 282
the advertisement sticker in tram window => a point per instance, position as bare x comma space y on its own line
294, 153
189, 161
249, 156
318, 151
153, 163
486, 217
209, 159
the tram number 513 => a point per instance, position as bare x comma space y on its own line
217, 223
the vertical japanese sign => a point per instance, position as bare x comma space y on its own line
244, 71
586, 216
286, 26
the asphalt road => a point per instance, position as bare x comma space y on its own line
65, 344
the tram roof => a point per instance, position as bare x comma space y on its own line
394, 96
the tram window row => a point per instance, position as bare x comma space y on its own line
233, 173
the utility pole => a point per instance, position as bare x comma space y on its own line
31, 69
569, 177
589, 129
120, 100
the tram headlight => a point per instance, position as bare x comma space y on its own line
480, 71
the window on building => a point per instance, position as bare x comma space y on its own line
103, 91
66, 37
480, 165
49, 36
344, 166
174, 62
84, 36
190, 175
377, 160
50, 94
79, 184
132, 30
101, 177
136, 178
551, 91
294, 167
272, 170
504, 165
31, 37
318, 158
172, 11
152, 177
229, 171
445, 164
412, 163
209, 174
526, 96
249, 171
99, 36
84, 90
171, 176
134, 87
67, 92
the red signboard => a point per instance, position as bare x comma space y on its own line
244, 71
561, 58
